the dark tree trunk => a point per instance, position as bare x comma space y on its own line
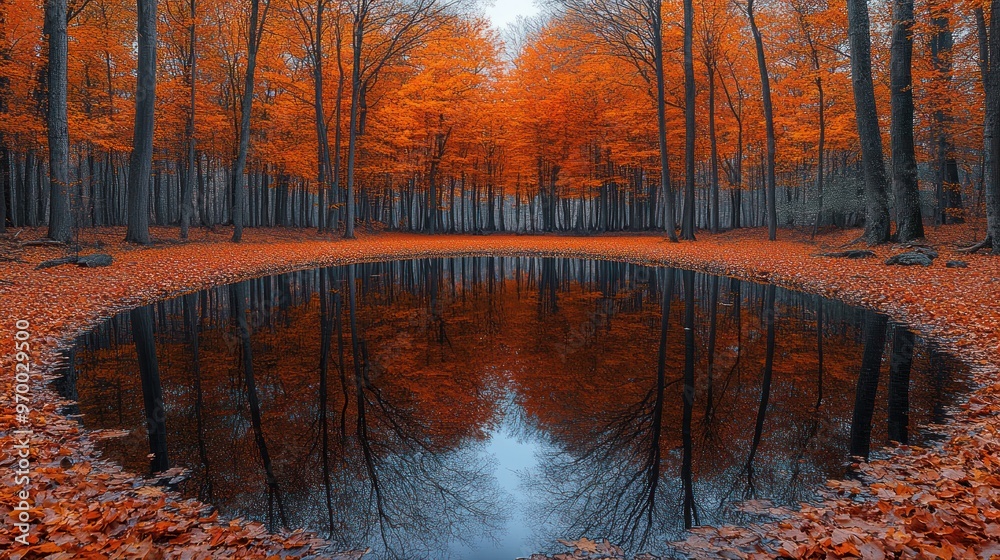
152, 393
877, 226
238, 293
909, 225
687, 223
765, 86
655, 15
690, 511
187, 204
141, 162
864, 399
60, 214
257, 20
899, 384
993, 118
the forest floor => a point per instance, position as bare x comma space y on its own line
942, 502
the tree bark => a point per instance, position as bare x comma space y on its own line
257, 20
187, 204
655, 15
687, 223
765, 86
909, 224
141, 161
877, 224
60, 215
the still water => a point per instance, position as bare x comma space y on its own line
482, 408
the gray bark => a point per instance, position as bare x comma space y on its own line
909, 225
60, 215
257, 20
765, 86
858, 28
141, 161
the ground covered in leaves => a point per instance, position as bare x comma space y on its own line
921, 503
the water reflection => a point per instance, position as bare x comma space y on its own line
387, 405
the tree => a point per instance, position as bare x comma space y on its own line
690, 126
394, 27
765, 86
187, 202
858, 28
993, 115
633, 31
141, 161
909, 225
257, 20
60, 216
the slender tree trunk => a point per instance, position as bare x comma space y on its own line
909, 225
687, 223
993, 116
765, 85
322, 136
187, 205
713, 140
60, 214
357, 91
656, 10
257, 21
877, 226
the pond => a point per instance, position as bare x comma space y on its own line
483, 408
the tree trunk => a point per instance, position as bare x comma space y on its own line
187, 204
356, 92
877, 219
909, 225
765, 86
141, 161
687, 222
152, 393
246, 103
993, 116
656, 10
867, 388
60, 215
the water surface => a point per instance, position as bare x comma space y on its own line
483, 408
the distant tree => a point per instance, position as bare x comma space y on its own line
633, 31
393, 27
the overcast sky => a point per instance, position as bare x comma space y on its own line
506, 11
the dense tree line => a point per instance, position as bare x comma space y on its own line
417, 115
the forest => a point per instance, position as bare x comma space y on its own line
419, 115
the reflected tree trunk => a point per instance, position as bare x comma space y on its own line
690, 511
191, 318
655, 453
360, 381
152, 392
326, 331
238, 296
819, 352
864, 399
899, 383
765, 389
713, 305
